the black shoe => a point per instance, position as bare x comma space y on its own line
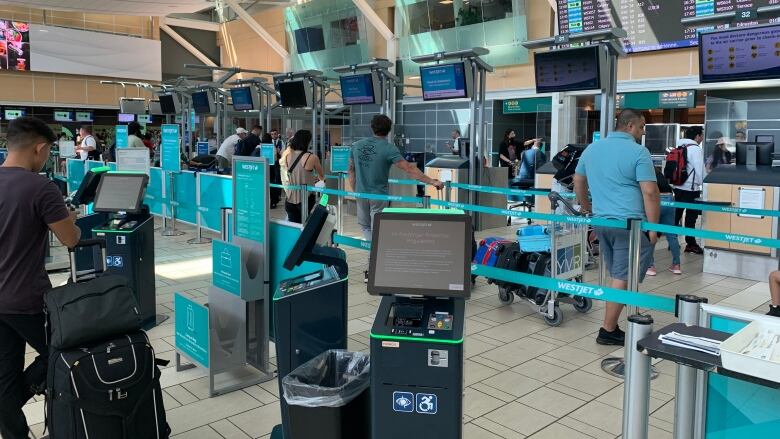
694, 248
365, 277
774, 311
615, 338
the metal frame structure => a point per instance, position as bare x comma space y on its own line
319, 87
477, 124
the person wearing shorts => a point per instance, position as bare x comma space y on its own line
615, 179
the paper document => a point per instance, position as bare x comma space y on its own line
701, 344
751, 198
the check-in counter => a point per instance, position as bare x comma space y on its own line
756, 187
544, 180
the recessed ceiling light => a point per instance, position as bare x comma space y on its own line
445, 2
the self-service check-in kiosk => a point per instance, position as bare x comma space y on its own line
129, 235
310, 310
420, 263
85, 196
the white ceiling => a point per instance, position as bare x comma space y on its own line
117, 7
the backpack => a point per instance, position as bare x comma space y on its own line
676, 168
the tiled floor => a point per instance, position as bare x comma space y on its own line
524, 379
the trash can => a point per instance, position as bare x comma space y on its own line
328, 397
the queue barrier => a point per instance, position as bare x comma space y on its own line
708, 234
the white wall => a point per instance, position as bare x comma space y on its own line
64, 50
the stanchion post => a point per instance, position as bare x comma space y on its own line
447, 192
553, 267
340, 205
225, 223
636, 391
426, 202
172, 231
199, 239
304, 203
688, 307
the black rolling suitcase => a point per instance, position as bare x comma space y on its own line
103, 380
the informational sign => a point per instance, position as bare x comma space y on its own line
192, 329
250, 191
751, 198
527, 105
63, 116
227, 266
677, 99
268, 152
339, 158
133, 160
447, 81
403, 402
193, 119
14, 114
145, 119
121, 136
84, 116
203, 148
170, 148
596, 136
740, 54
67, 149
14, 45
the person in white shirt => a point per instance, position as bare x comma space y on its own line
690, 191
134, 136
88, 142
228, 147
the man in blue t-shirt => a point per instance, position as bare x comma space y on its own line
369, 170
620, 175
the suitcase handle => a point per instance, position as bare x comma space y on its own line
94, 242
76, 275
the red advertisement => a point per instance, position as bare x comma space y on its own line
14, 45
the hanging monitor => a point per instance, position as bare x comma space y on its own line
170, 104
126, 118
245, 98
155, 108
740, 54
570, 69
84, 116
359, 89
309, 39
63, 116
132, 106
14, 114
203, 102
446, 81
295, 94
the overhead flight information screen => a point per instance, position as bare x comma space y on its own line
653, 24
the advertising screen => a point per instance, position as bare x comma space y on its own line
567, 70
740, 54
14, 45
358, 89
446, 81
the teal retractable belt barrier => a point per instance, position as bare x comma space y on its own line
642, 300
289, 187
721, 209
501, 191
404, 182
365, 196
352, 242
708, 234
598, 222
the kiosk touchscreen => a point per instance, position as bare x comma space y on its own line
310, 310
420, 263
84, 196
129, 235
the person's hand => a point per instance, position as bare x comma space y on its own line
653, 237
74, 215
438, 184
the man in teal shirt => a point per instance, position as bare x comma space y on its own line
620, 175
369, 170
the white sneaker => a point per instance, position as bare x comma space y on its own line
675, 269
651, 271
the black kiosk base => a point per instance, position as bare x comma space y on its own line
310, 311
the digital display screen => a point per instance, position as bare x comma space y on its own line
293, 94
14, 45
358, 89
63, 116
120, 193
242, 98
200, 102
84, 116
740, 54
567, 70
145, 119
168, 104
14, 114
126, 117
654, 25
309, 39
443, 81
419, 255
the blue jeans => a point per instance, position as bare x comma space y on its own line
668, 218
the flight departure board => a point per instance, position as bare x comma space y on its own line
655, 24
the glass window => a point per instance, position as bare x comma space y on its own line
344, 32
479, 11
430, 15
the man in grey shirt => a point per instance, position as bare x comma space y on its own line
369, 170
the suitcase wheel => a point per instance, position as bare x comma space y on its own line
505, 296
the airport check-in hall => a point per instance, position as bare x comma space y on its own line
357, 219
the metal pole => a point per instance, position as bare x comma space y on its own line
685, 388
304, 203
313, 116
340, 206
172, 231
636, 392
473, 136
553, 266
199, 239
225, 223
608, 94
322, 123
426, 202
448, 192
268, 112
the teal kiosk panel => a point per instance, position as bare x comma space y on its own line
154, 197
170, 148
339, 158
216, 192
737, 408
192, 329
250, 196
121, 136
76, 170
226, 260
184, 198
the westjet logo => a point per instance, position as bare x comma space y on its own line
579, 220
580, 290
250, 167
743, 239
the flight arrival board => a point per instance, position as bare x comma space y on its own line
654, 24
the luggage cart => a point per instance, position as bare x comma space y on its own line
565, 258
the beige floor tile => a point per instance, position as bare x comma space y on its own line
258, 422
204, 432
587, 382
520, 418
518, 351
476, 404
207, 411
471, 431
551, 402
514, 330
558, 431
513, 383
572, 355
601, 416
474, 372
227, 430
497, 429
541, 370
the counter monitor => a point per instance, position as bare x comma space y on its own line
63, 116
84, 116
244, 99
119, 192
445, 81
360, 89
126, 118
755, 153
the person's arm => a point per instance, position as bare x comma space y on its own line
66, 231
352, 174
318, 168
697, 160
581, 189
412, 171
51, 209
652, 200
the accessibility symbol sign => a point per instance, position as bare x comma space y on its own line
403, 402
426, 403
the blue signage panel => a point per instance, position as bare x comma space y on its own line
227, 266
250, 188
403, 402
192, 329
170, 148
426, 403
339, 158
121, 136
268, 151
203, 148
